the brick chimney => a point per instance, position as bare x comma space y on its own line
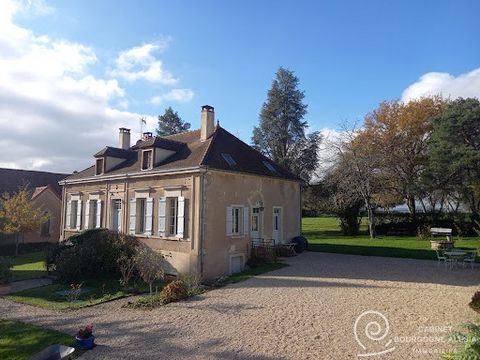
207, 122
124, 138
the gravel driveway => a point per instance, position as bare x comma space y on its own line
304, 311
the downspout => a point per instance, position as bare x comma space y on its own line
63, 213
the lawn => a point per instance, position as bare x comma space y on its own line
28, 266
94, 291
20, 341
323, 234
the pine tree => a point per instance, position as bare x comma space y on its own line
281, 132
170, 123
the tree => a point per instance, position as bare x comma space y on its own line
281, 132
399, 133
19, 215
335, 195
358, 162
455, 151
149, 265
170, 123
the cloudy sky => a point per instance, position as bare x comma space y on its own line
72, 73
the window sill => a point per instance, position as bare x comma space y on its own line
237, 236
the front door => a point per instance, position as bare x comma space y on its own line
116, 215
277, 225
256, 224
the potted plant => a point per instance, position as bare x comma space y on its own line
85, 339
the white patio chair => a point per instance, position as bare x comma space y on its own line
469, 258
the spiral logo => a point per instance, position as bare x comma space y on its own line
371, 330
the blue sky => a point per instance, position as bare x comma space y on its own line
349, 55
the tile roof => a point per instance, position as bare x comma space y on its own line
191, 152
114, 152
12, 179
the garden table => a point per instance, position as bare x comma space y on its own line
455, 255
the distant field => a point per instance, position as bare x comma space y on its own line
323, 234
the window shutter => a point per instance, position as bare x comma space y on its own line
229, 221
149, 216
79, 214
162, 213
245, 220
69, 213
181, 217
98, 222
87, 214
133, 213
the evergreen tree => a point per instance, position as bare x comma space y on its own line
455, 152
281, 132
170, 123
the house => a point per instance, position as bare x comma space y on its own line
46, 193
199, 198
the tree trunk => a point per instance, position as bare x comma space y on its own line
17, 240
411, 207
371, 222
151, 290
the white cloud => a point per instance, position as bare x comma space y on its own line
54, 114
176, 95
139, 62
445, 84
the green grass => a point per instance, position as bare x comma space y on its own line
100, 290
323, 234
20, 341
254, 271
28, 266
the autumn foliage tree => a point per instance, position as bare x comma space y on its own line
19, 215
399, 133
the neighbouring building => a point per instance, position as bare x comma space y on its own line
46, 193
199, 198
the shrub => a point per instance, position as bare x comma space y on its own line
5, 272
91, 253
174, 291
193, 284
475, 303
470, 342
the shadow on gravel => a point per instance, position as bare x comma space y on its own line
342, 266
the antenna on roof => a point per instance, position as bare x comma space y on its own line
142, 122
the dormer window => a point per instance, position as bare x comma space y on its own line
147, 159
99, 166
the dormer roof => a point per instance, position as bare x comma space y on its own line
114, 152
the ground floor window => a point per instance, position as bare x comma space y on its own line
172, 215
116, 217
92, 214
73, 214
141, 215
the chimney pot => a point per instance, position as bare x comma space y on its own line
124, 138
207, 122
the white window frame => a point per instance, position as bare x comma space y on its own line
74, 222
112, 212
102, 170
237, 220
172, 219
150, 165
